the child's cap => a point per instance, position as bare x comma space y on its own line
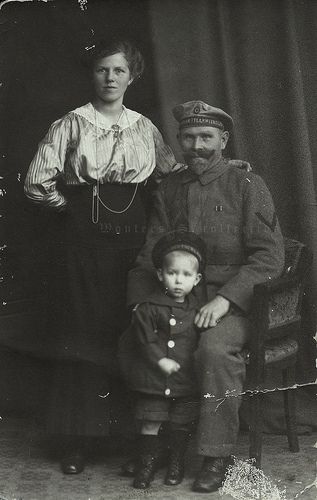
179, 240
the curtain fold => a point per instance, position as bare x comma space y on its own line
300, 140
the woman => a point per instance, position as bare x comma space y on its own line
90, 173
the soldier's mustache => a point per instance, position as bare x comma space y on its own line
201, 154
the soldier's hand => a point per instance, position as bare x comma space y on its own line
168, 366
211, 313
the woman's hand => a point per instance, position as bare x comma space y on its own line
244, 165
179, 167
211, 313
168, 366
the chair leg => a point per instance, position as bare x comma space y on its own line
290, 409
256, 427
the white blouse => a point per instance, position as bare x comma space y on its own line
83, 147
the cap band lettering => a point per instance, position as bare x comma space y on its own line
200, 121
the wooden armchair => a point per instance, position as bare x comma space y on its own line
276, 318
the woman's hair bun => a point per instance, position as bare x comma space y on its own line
105, 48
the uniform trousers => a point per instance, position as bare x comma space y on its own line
221, 371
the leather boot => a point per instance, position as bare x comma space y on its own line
131, 466
176, 466
149, 461
212, 474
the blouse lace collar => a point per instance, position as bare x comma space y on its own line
88, 111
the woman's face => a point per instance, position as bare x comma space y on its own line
111, 76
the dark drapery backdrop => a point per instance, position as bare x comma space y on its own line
254, 58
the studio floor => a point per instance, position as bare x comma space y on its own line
29, 472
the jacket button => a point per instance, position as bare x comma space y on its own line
172, 321
171, 344
167, 392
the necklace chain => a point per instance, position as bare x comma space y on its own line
96, 199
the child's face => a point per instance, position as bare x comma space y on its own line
179, 274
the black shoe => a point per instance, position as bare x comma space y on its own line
149, 462
212, 474
176, 462
73, 463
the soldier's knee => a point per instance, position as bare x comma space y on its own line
210, 349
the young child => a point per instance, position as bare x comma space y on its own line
157, 356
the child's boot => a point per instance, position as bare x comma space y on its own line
149, 461
176, 465
130, 467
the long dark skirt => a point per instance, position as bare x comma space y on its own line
87, 313
84, 400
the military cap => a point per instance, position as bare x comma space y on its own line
200, 114
186, 241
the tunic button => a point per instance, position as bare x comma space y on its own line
167, 392
171, 344
172, 321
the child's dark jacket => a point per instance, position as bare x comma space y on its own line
160, 328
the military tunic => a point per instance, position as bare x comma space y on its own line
233, 212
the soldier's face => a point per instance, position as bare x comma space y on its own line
202, 146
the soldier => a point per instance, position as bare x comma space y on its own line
233, 212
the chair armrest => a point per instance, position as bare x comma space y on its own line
294, 275
276, 285
278, 302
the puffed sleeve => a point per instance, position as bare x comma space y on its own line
48, 165
263, 244
146, 335
165, 159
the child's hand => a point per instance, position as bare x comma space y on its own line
168, 366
